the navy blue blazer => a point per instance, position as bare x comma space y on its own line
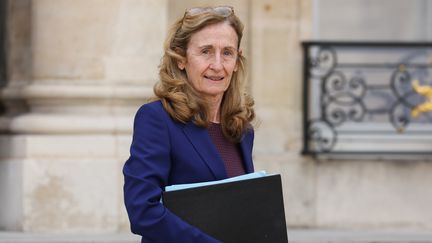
166, 152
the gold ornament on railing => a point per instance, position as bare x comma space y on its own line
424, 91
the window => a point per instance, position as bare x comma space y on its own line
362, 97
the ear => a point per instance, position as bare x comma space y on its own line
240, 53
181, 64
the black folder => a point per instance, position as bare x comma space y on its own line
249, 210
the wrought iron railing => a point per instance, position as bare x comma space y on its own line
367, 98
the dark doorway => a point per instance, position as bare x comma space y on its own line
3, 67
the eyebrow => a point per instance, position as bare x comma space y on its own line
211, 46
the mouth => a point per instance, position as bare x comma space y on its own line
214, 78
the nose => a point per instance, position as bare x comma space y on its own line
216, 62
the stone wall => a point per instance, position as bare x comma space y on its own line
373, 191
79, 70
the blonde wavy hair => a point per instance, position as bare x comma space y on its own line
181, 100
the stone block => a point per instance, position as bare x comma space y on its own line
58, 146
71, 146
378, 194
276, 65
277, 130
298, 182
71, 37
61, 183
19, 40
11, 190
275, 9
70, 195
137, 47
123, 220
134, 70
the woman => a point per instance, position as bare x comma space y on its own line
198, 130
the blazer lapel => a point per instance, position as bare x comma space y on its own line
201, 141
246, 148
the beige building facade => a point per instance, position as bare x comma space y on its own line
79, 69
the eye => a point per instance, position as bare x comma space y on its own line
205, 51
228, 53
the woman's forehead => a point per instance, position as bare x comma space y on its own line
221, 34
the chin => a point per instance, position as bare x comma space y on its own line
213, 94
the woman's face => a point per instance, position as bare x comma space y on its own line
211, 59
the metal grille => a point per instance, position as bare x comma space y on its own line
369, 98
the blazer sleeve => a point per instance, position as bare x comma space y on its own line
146, 173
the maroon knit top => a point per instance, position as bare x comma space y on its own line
229, 151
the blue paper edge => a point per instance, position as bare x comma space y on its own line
253, 175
